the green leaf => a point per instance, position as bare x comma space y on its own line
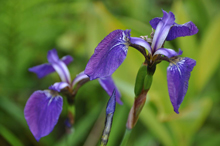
13, 110
9, 136
142, 72
188, 44
119, 125
147, 116
188, 122
209, 55
81, 128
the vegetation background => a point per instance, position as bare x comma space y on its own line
28, 29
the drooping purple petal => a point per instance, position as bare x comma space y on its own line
42, 112
186, 29
108, 85
141, 42
67, 59
177, 30
81, 76
178, 74
162, 30
110, 109
42, 70
58, 86
108, 55
168, 52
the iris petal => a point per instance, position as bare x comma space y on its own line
42, 112
58, 86
81, 76
52, 56
185, 29
55, 63
177, 30
162, 30
62, 70
178, 74
42, 70
141, 42
154, 22
108, 85
168, 52
67, 59
108, 55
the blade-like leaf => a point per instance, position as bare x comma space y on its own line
208, 54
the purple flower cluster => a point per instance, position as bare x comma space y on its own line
43, 108
112, 50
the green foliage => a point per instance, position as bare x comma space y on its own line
28, 29
139, 83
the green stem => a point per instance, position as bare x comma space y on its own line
69, 123
70, 119
126, 137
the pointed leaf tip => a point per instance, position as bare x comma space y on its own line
110, 109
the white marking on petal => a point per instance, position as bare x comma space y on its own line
78, 78
63, 71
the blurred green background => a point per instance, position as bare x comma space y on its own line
28, 29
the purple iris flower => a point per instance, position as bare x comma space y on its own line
179, 70
112, 50
43, 108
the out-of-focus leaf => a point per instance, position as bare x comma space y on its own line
136, 26
208, 55
188, 44
13, 110
147, 115
196, 9
119, 124
92, 31
159, 91
9, 136
144, 140
211, 7
188, 122
81, 128
108, 20
210, 140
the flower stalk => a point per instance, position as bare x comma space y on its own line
142, 85
110, 109
126, 137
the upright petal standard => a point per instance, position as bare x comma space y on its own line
162, 30
177, 30
55, 64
